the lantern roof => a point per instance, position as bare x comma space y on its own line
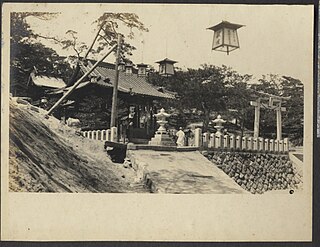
143, 65
167, 60
225, 24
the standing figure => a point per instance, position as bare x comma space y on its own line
180, 134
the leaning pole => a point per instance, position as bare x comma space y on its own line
80, 80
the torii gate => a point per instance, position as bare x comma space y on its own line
271, 102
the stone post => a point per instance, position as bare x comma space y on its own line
212, 140
255, 144
261, 144
108, 133
271, 145
218, 139
205, 139
244, 143
250, 143
276, 146
233, 142
114, 134
94, 135
198, 137
281, 146
238, 142
104, 135
99, 137
266, 145
226, 141
286, 144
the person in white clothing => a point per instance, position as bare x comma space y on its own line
180, 134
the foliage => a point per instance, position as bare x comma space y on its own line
26, 53
211, 90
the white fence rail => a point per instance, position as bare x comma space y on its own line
101, 135
213, 141
244, 143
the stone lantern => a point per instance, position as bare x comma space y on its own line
161, 136
166, 67
219, 124
225, 37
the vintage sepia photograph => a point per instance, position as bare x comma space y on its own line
159, 99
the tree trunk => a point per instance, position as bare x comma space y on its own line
73, 78
206, 120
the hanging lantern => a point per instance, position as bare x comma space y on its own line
166, 67
142, 69
225, 37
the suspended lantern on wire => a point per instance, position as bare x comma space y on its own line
166, 67
225, 37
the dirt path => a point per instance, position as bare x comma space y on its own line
47, 156
182, 172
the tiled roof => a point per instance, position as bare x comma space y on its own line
46, 81
128, 83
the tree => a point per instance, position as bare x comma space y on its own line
26, 53
200, 90
108, 25
292, 123
238, 97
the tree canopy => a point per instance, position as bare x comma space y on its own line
27, 53
211, 90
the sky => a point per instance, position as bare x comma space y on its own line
276, 39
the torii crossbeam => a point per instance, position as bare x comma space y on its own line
271, 102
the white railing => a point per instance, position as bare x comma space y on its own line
239, 142
101, 135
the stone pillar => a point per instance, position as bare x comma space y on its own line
104, 135
94, 135
218, 140
99, 137
255, 144
226, 141
198, 137
238, 142
250, 143
266, 145
114, 134
244, 143
286, 145
271, 145
233, 142
205, 137
108, 133
261, 144
276, 145
281, 146
212, 140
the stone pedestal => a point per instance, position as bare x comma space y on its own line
162, 139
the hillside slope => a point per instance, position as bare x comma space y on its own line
47, 156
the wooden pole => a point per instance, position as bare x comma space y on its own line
257, 105
80, 80
279, 123
114, 112
94, 41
